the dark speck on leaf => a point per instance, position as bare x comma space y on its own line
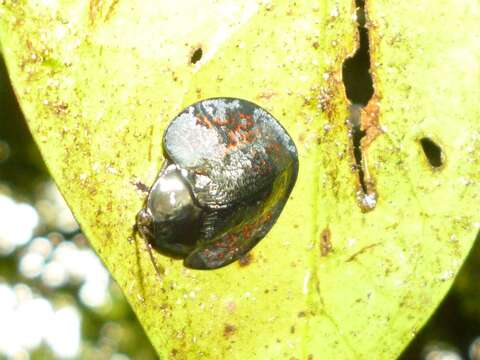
229, 330
245, 260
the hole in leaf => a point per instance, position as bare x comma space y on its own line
432, 151
357, 135
196, 56
358, 83
356, 69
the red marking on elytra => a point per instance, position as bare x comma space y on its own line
245, 116
247, 230
273, 148
220, 122
264, 167
203, 120
233, 140
248, 137
248, 124
266, 218
228, 243
242, 132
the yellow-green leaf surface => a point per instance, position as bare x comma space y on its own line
99, 80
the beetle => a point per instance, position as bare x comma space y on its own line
229, 169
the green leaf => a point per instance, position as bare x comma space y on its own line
98, 82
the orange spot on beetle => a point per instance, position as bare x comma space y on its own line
203, 120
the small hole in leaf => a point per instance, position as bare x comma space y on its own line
197, 55
432, 151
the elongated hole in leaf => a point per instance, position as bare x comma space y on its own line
432, 151
358, 83
196, 56
356, 69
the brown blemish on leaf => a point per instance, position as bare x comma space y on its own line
101, 10
362, 250
140, 186
60, 108
369, 120
325, 242
268, 7
266, 95
324, 100
328, 93
229, 330
231, 307
111, 9
37, 53
245, 260
150, 136
301, 137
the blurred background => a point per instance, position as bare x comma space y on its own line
57, 301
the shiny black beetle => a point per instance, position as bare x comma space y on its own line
229, 169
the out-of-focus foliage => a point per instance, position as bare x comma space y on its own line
56, 298
456, 323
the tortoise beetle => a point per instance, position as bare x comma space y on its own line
229, 169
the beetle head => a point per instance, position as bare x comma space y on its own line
170, 222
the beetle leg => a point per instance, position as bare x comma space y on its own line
159, 272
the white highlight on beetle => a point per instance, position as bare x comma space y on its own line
193, 146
